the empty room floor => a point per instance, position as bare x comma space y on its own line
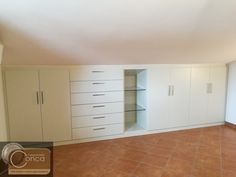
203, 152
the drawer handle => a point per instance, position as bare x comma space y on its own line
98, 94
96, 129
101, 117
99, 106
97, 71
98, 83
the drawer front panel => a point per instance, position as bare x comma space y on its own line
97, 86
105, 119
85, 73
87, 98
97, 131
96, 109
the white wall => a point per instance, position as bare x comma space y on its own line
231, 98
3, 125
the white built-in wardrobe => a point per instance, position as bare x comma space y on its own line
99, 102
38, 103
185, 96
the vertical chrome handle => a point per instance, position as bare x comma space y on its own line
209, 88
37, 97
42, 97
169, 90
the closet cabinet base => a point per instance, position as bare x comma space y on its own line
79, 139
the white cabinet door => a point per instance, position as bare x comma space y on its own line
199, 97
23, 108
157, 98
208, 95
216, 104
180, 96
3, 123
231, 94
54, 85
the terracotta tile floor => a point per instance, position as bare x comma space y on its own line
204, 152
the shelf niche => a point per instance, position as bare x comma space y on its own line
135, 99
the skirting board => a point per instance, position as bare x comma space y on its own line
135, 133
230, 125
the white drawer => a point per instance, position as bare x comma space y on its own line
97, 86
87, 98
95, 109
104, 119
95, 73
89, 132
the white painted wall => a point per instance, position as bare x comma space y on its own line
3, 125
231, 98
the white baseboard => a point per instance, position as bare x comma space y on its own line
136, 133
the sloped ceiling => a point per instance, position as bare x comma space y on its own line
118, 31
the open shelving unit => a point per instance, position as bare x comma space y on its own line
135, 99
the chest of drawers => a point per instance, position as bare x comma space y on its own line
97, 102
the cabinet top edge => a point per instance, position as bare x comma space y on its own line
131, 66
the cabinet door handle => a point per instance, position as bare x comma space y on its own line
42, 97
99, 94
97, 71
98, 83
99, 106
37, 97
169, 90
209, 88
96, 129
173, 90
101, 117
